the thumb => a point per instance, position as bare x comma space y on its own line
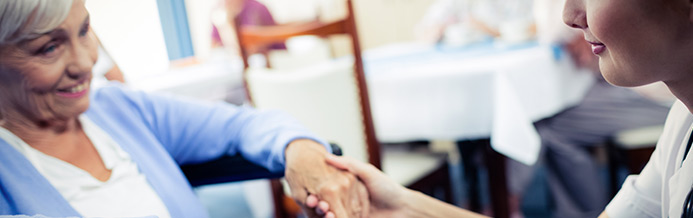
338, 162
364, 171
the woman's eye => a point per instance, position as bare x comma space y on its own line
49, 49
84, 31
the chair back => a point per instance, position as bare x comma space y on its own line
331, 98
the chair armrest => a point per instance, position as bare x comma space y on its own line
645, 137
232, 169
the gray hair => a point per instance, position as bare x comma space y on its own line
28, 19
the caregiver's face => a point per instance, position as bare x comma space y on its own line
637, 41
47, 78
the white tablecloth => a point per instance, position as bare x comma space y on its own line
472, 92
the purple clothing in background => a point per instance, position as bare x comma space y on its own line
254, 13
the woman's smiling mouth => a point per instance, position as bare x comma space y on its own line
74, 91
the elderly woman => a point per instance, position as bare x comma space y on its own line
638, 42
66, 150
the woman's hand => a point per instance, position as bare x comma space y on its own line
308, 173
386, 196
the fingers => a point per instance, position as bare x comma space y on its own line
362, 170
353, 196
312, 201
338, 162
306, 201
337, 193
363, 199
336, 207
310, 212
330, 215
323, 208
347, 196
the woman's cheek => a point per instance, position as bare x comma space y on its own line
43, 79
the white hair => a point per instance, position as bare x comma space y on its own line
28, 19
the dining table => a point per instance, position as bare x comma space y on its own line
488, 89
484, 96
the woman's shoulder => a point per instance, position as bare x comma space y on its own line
679, 119
115, 96
110, 89
676, 130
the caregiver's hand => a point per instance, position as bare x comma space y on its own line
308, 173
388, 198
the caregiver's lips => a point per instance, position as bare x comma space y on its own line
597, 47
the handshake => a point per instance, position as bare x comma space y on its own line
368, 192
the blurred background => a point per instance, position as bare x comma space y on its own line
491, 105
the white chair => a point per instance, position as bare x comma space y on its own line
325, 98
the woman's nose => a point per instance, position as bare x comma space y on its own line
574, 14
82, 61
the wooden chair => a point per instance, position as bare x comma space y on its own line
331, 99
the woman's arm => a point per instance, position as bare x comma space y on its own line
418, 204
195, 131
389, 199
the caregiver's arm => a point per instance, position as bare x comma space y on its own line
389, 199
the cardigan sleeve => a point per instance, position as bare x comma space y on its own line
197, 131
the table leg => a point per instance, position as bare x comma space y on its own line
471, 174
498, 185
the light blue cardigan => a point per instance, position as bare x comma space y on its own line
160, 133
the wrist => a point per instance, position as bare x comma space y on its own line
411, 203
299, 148
420, 205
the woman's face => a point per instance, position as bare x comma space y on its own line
48, 78
637, 41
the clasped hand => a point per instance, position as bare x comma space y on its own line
308, 174
386, 197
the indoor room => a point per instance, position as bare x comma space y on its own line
345, 108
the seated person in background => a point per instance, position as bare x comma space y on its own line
457, 22
657, 49
105, 70
67, 150
241, 13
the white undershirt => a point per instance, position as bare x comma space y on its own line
125, 194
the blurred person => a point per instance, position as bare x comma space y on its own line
105, 69
657, 49
238, 13
67, 150
457, 22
